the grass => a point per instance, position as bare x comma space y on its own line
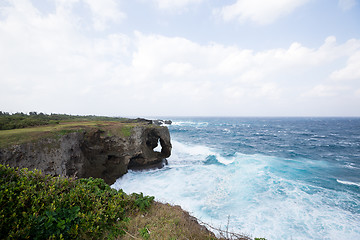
21, 120
163, 221
21, 128
31, 134
124, 131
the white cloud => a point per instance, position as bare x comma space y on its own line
172, 5
259, 11
351, 71
323, 90
234, 73
347, 4
177, 69
357, 93
47, 64
104, 11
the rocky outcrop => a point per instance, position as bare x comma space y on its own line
161, 122
92, 152
157, 122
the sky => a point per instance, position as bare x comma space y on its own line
181, 57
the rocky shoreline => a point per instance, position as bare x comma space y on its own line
105, 152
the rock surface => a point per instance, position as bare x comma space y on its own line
92, 152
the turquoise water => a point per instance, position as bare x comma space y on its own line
279, 178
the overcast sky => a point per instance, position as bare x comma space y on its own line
181, 57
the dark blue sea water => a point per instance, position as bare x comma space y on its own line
279, 178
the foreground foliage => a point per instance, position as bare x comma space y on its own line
34, 206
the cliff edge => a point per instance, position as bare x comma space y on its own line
86, 149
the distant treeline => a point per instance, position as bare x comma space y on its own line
22, 120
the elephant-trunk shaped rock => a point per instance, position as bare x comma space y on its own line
147, 157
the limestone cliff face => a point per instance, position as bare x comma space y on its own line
92, 152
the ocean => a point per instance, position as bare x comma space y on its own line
277, 178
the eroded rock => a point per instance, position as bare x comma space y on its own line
92, 153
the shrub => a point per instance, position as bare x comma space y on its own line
34, 206
144, 233
142, 202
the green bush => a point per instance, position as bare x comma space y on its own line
144, 233
142, 202
21, 120
34, 206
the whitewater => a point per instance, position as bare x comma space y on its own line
278, 178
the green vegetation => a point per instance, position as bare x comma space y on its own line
23, 135
32, 134
143, 202
21, 120
144, 232
21, 128
34, 206
126, 131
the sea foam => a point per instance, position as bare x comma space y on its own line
265, 195
348, 183
250, 192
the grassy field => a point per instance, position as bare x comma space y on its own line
24, 135
22, 120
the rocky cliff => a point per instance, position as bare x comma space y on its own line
105, 152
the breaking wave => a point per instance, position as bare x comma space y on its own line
281, 187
